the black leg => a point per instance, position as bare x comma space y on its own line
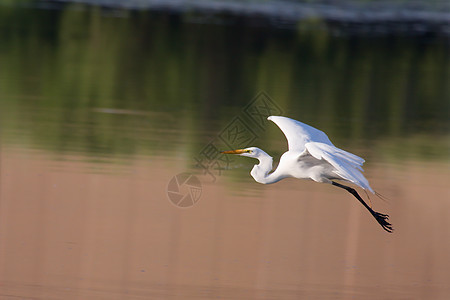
381, 218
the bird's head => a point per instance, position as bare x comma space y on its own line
253, 152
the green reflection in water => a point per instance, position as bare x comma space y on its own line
173, 84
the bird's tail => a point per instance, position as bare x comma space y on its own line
347, 165
382, 197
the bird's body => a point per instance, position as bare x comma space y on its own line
311, 155
304, 167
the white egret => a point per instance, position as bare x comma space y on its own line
311, 155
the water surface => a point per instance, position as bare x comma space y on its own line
100, 111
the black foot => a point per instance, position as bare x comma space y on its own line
382, 219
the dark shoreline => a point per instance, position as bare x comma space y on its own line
352, 18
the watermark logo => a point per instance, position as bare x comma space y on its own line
261, 107
240, 132
237, 134
184, 190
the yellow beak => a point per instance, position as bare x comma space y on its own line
238, 151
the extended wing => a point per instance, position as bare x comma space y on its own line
298, 133
346, 165
305, 139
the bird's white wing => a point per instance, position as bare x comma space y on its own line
306, 139
298, 133
346, 164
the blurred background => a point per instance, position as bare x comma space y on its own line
103, 103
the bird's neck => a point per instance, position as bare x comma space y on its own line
260, 172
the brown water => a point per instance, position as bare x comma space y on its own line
101, 109
71, 232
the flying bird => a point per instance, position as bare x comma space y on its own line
311, 155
